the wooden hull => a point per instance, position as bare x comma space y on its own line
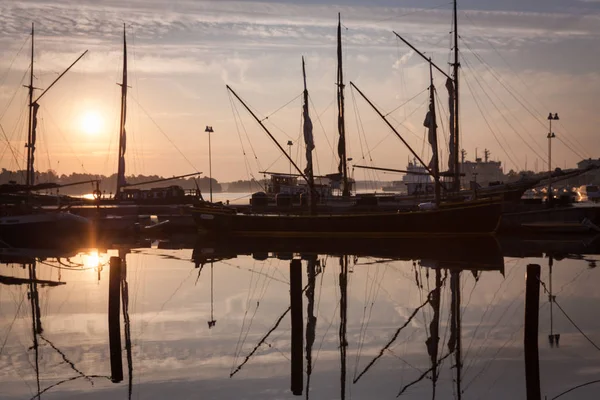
463, 220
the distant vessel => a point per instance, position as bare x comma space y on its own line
417, 181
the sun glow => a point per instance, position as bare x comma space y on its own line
91, 122
91, 260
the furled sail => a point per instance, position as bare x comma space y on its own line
431, 124
308, 131
309, 141
35, 107
450, 87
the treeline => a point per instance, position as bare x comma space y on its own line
107, 184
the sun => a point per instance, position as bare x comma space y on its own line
91, 122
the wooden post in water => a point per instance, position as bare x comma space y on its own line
297, 326
114, 323
532, 305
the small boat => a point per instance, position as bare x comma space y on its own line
20, 227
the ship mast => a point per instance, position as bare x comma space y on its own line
122, 133
30, 145
455, 66
342, 168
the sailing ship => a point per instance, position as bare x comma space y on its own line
22, 222
443, 219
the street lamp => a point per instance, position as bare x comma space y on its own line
550, 136
209, 130
289, 143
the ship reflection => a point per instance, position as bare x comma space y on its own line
438, 269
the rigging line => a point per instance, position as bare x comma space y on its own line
394, 337
576, 387
235, 119
444, 132
536, 117
407, 101
522, 82
14, 94
282, 107
13, 60
239, 344
508, 341
423, 375
145, 323
15, 156
569, 318
319, 120
477, 80
569, 147
260, 342
264, 338
254, 271
402, 123
68, 142
65, 359
358, 127
487, 309
504, 105
488, 124
364, 323
39, 394
163, 133
493, 327
575, 141
11, 325
501, 81
246, 133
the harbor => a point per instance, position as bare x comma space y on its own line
276, 200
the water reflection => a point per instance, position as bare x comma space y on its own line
321, 319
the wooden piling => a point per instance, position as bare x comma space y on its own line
532, 305
297, 329
114, 323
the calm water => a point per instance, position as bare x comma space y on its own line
172, 300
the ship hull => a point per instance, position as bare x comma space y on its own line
463, 220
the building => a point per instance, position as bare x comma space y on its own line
583, 164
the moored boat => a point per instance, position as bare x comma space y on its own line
451, 220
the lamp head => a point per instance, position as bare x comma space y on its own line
209, 129
289, 143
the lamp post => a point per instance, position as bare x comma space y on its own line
209, 130
289, 143
550, 136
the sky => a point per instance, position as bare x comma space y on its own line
519, 61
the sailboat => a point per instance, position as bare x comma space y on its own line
463, 219
24, 223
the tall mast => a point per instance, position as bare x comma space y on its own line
342, 168
29, 177
122, 133
456, 118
